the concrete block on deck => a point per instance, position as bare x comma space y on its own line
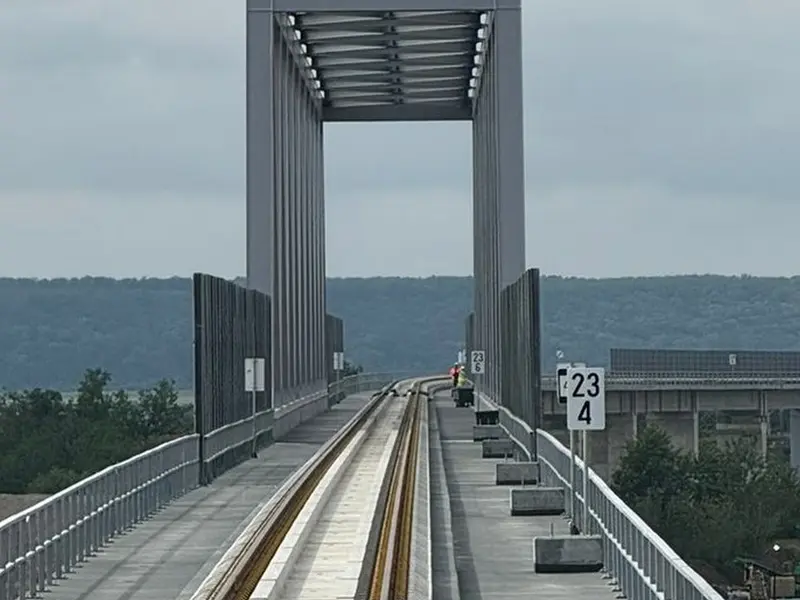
487, 417
517, 473
497, 448
568, 554
536, 500
487, 432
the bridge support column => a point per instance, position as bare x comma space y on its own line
763, 421
794, 438
285, 205
607, 447
683, 428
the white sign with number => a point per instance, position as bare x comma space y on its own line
338, 361
561, 381
478, 362
586, 398
254, 371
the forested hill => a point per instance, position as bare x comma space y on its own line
140, 330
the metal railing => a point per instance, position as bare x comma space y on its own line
642, 564
46, 541
354, 384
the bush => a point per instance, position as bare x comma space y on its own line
48, 442
725, 503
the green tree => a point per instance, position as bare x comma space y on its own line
52, 481
727, 502
161, 414
651, 478
48, 442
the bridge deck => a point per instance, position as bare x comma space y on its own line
169, 555
494, 551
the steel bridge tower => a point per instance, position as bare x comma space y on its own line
315, 61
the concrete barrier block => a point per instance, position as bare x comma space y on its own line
487, 432
517, 473
497, 448
536, 500
568, 554
487, 417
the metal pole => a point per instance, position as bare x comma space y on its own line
254, 452
572, 489
585, 453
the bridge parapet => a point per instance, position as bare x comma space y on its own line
640, 561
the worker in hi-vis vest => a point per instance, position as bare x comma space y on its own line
462, 378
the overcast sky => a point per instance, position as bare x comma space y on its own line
666, 134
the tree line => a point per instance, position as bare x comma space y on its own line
49, 441
141, 329
727, 502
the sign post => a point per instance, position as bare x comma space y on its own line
478, 362
254, 369
561, 393
561, 381
586, 411
338, 367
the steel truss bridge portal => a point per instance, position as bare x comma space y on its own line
432, 60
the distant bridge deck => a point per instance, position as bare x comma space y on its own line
689, 382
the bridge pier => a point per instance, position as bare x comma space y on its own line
683, 428
794, 438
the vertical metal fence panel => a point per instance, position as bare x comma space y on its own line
334, 342
533, 350
469, 337
506, 396
231, 324
520, 351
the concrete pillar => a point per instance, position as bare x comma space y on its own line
763, 421
607, 447
683, 428
794, 438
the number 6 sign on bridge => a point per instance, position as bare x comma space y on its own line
586, 398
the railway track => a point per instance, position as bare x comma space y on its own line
342, 528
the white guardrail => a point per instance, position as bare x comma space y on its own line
46, 541
641, 562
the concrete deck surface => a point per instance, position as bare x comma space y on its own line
493, 550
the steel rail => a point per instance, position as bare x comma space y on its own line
242, 577
391, 567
